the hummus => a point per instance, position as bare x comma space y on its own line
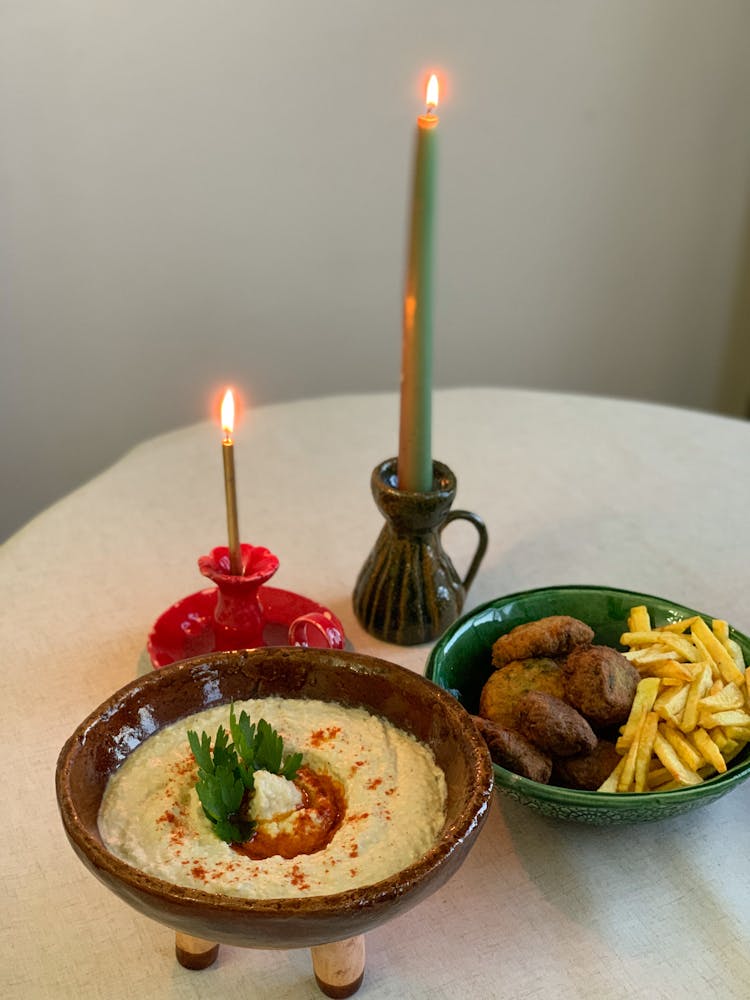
390, 791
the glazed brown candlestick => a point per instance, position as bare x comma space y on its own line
408, 591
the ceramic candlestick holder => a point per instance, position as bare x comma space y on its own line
240, 612
408, 590
238, 616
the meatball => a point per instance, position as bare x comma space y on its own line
552, 636
600, 683
554, 726
589, 770
509, 749
506, 687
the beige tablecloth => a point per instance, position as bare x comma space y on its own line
573, 489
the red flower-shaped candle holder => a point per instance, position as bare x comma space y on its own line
240, 612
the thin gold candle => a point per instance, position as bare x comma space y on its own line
230, 489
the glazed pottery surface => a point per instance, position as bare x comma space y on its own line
408, 590
238, 616
188, 627
116, 728
461, 662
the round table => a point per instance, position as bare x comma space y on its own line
573, 489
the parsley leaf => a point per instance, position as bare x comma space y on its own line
269, 748
226, 774
201, 750
291, 766
243, 734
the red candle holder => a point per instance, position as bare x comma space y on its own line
240, 612
238, 615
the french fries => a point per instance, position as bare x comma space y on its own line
643, 702
646, 741
691, 711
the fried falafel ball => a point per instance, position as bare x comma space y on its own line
601, 684
554, 726
589, 770
554, 636
506, 687
509, 749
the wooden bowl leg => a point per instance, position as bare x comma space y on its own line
193, 952
339, 967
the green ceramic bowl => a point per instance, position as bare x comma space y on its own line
461, 663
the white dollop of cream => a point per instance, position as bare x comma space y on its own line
273, 796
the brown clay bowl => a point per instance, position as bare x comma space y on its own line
116, 728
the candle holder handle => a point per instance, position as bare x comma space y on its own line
408, 590
479, 553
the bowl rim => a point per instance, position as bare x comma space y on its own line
471, 816
578, 797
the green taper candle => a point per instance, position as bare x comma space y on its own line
415, 432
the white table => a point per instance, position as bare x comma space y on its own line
573, 489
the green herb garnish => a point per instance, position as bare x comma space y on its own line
226, 776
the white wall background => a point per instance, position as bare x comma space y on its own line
201, 191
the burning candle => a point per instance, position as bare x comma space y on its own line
230, 490
414, 449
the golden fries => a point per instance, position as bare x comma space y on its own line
673, 669
733, 648
699, 686
709, 749
670, 703
720, 629
627, 774
673, 764
639, 619
726, 698
688, 754
691, 711
642, 704
678, 643
646, 739
711, 719
729, 669
610, 785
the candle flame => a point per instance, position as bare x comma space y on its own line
227, 415
433, 91
410, 311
